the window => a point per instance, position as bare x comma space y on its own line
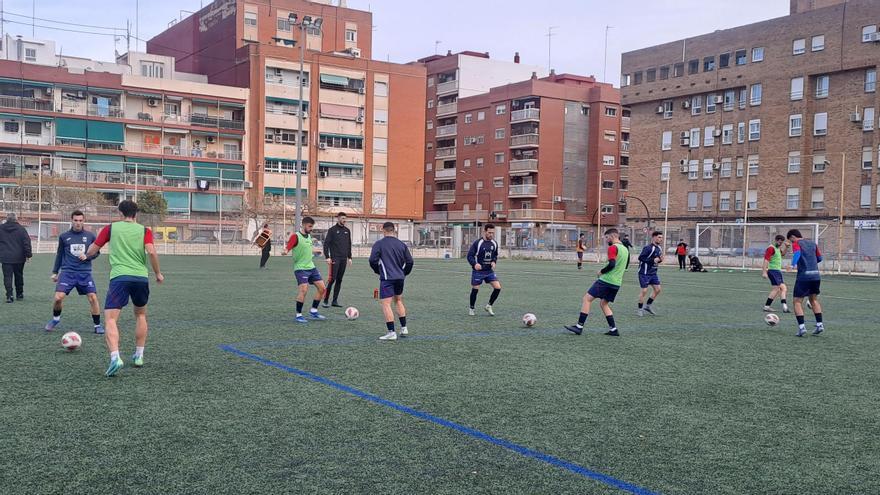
498, 182
607, 209
430, 82
822, 83
650, 75
692, 201
481, 116
868, 119
380, 88
610, 111
727, 134
678, 69
693, 66
351, 35
729, 100
795, 125
381, 117
818, 43
664, 203
819, 162
625, 80
758, 54
499, 133
664, 72
724, 201
738, 201
429, 166
710, 103
468, 118
480, 139
741, 132
500, 109
250, 18
666, 141
743, 93
610, 136
607, 184
817, 198
498, 205
867, 157
431, 103
794, 162
10, 126
667, 109
695, 138
870, 80
479, 184
753, 165
153, 69
467, 163
499, 157
799, 46
708, 64
693, 169
708, 165
380, 145
755, 130
466, 186
30, 54
707, 201
792, 198
709, 136
430, 124
869, 33
740, 57
637, 78
479, 162
756, 93
820, 124
797, 88
281, 136
664, 171
284, 24
739, 166
726, 166
624, 185
608, 160
696, 105
865, 196
33, 128
753, 199
336, 141
724, 60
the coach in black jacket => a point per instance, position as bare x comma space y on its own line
337, 250
15, 250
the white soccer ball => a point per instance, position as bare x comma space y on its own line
771, 319
529, 319
352, 313
71, 341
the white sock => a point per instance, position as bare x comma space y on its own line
578, 325
802, 327
114, 355
299, 315
56, 318
313, 310
139, 352
402, 328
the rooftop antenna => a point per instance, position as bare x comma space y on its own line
550, 34
137, 24
436, 45
605, 64
33, 18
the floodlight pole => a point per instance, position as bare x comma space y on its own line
840, 213
299, 133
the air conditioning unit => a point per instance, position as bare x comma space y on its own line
151, 102
248, 184
557, 199
323, 173
855, 117
210, 139
355, 52
48, 91
684, 169
716, 166
686, 104
685, 141
362, 90
660, 109
47, 124
322, 146
717, 133
719, 100
875, 37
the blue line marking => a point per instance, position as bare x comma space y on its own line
519, 449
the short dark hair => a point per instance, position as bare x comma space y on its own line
488, 226
308, 221
656, 233
128, 208
77, 213
388, 226
265, 225
779, 237
794, 233
582, 234
341, 214
611, 231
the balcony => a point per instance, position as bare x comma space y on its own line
447, 87
209, 121
445, 152
442, 174
111, 111
468, 215
436, 216
531, 214
523, 167
625, 122
447, 108
18, 102
444, 197
524, 140
447, 130
523, 191
624, 147
525, 114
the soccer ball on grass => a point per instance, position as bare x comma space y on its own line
71, 341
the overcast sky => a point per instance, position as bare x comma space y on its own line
405, 30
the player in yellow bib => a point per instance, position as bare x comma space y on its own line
773, 272
300, 244
605, 289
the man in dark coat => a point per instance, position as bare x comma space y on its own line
15, 251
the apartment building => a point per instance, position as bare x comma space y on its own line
116, 129
361, 152
775, 120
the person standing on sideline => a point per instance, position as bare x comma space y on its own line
15, 251
264, 242
482, 257
651, 256
304, 270
337, 250
681, 250
581, 247
73, 270
605, 289
130, 245
624, 239
392, 261
806, 257
772, 271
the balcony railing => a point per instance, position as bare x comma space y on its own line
436, 216
112, 111
447, 87
523, 190
447, 130
175, 150
532, 214
524, 166
209, 121
445, 152
524, 140
447, 108
23, 103
468, 215
525, 114
624, 146
444, 174
444, 197
625, 122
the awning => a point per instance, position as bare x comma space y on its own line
340, 194
347, 136
74, 87
204, 202
65, 154
106, 91
205, 170
203, 133
175, 168
203, 101
25, 82
74, 129
232, 171
290, 191
332, 79
284, 101
145, 95
105, 132
340, 111
231, 104
104, 163
143, 127
231, 136
14, 116
172, 130
177, 201
340, 165
143, 163
34, 118
173, 98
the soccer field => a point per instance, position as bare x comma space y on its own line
236, 398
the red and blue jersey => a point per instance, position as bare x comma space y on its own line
806, 257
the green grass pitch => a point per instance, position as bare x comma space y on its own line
702, 399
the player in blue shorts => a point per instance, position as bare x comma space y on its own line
482, 257
806, 257
73, 270
392, 261
650, 257
772, 271
605, 289
304, 270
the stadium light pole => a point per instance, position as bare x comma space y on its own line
840, 213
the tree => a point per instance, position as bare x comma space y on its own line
153, 205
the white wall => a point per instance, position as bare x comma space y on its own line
476, 74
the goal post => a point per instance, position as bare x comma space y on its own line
48, 232
725, 242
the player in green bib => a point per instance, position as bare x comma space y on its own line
605, 289
130, 245
300, 244
772, 271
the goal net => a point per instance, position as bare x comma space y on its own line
743, 244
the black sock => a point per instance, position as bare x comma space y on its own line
315, 303
800, 319
494, 296
783, 301
650, 300
389, 325
403, 321
474, 297
610, 320
769, 302
583, 318
56, 312
299, 307
96, 319
818, 317
641, 305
